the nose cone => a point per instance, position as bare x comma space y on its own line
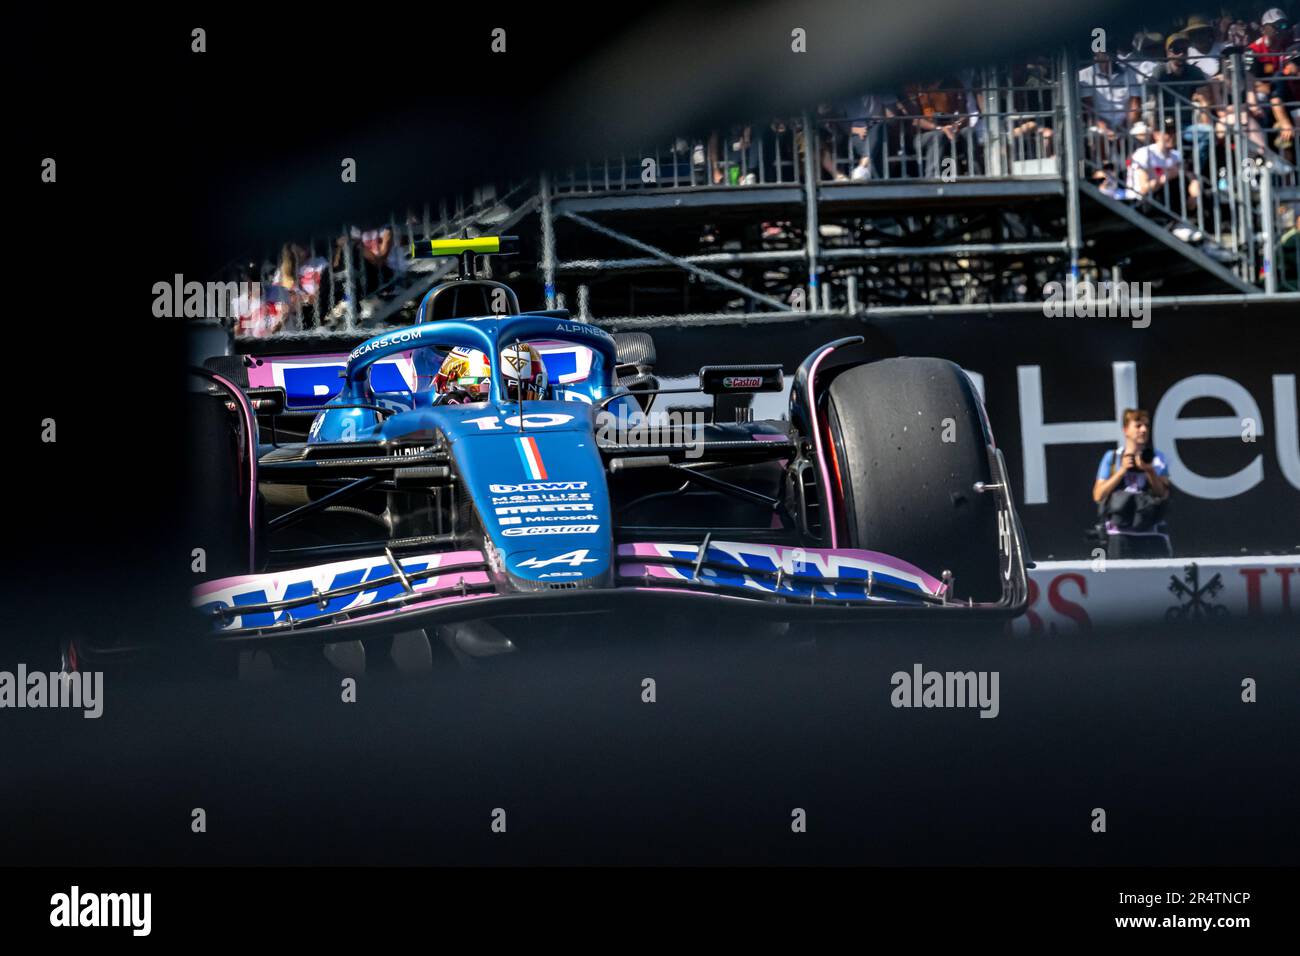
538, 484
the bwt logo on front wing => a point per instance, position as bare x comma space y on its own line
103, 909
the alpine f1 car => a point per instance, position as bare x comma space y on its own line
492, 463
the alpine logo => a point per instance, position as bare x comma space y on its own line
572, 558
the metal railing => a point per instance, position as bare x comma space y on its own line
345, 281
1234, 196
996, 130
1235, 190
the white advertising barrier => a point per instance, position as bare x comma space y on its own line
1076, 595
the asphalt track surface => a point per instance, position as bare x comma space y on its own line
749, 723
1148, 725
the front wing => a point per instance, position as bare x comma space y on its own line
348, 599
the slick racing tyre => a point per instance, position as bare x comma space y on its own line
908, 447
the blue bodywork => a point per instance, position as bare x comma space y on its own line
537, 482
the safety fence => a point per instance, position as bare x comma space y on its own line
1232, 192
1211, 159
359, 276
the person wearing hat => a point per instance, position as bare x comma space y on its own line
1174, 82
1270, 49
1146, 55
1204, 49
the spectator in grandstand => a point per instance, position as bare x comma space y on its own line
265, 307
1173, 83
1225, 127
1289, 80
1111, 93
868, 119
1033, 84
830, 128
973, 93
1199, 137
1287, 85
733, 160
1107, 181
286, 274
1204, 45
938, 119
1267, 108
1146, 54
283, 293
1132, 488
1288, 259
1270, 48
311, 279
1155, 170
371, 251
785, 156
1238, 36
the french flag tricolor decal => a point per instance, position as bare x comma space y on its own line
531, 456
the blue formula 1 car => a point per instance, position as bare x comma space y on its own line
412, 502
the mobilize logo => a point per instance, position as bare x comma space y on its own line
102, 909
946, 689
541, 498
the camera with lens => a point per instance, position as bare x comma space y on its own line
1145, 456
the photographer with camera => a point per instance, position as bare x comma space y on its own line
1132, 492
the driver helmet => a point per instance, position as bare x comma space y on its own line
522, 367
467, 369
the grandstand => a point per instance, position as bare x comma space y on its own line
977, 190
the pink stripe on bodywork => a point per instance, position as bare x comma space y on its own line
650, 570
263, 375
817, 441
250, 429
786, 556
272, 578
406, 608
